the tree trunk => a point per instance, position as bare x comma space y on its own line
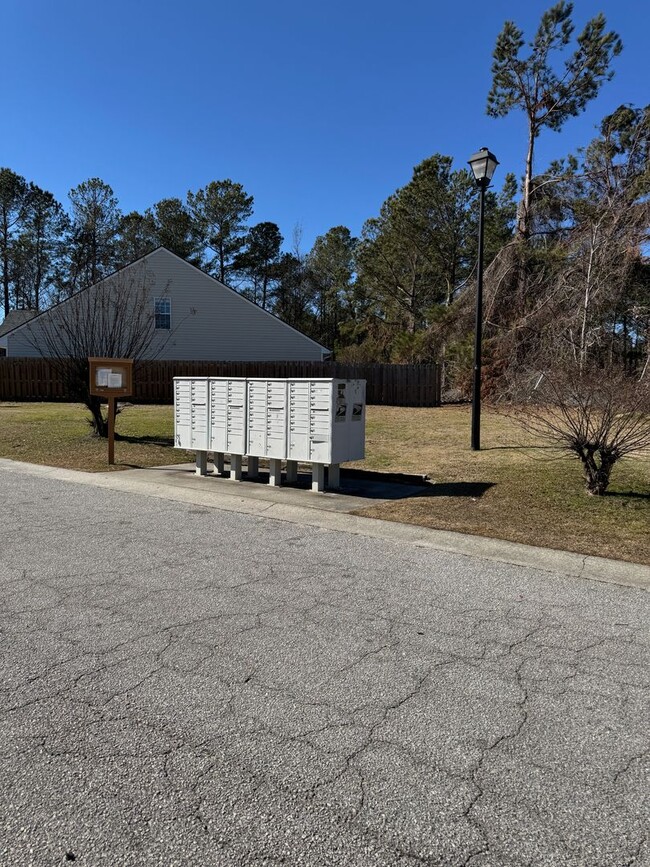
596, 477
222, 264
5, 265
585, 303
523, 211
99, 423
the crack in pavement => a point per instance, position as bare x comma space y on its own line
334, 688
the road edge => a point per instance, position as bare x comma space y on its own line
599, 569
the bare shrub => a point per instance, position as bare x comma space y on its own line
600, 416
111, 319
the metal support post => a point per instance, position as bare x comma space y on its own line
275, 471
235, 468
478, 330
201, 463
334, 476
318, 477
292, 472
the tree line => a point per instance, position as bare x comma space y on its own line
370, 292
565, 248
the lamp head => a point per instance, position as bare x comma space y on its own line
483, 164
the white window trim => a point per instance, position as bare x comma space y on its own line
156, 313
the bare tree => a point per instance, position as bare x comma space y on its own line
112, 319
600, 416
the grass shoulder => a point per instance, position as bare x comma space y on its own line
515, 488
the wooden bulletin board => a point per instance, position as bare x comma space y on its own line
111, 377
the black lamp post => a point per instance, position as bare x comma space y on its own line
483, 165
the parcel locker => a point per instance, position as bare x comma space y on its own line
326, 420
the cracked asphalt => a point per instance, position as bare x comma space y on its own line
188, 686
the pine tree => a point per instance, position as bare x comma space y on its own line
220, 211
547, 95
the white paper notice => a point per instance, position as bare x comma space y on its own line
101, 377
115, 380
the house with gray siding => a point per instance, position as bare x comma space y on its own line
12, 320
191, 315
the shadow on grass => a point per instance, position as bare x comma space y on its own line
367, 484
627, 495
397, 486
459, 489
517, 448
144, 441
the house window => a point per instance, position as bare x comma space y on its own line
163, 312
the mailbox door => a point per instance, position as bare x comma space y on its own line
298, 423
236, 417
199, 414
182, 414
320, 421
218, 411
256, 418
276, 420
267, 418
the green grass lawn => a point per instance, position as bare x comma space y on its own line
514, 488
59, 434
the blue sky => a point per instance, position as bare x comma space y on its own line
319, 110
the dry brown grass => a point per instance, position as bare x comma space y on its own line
536, 496
530, 493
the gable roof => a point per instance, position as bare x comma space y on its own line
157, 251
237, 294
14, 319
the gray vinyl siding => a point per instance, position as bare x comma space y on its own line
24, 342
209, 322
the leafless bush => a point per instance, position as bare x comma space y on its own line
112, 319
598, 415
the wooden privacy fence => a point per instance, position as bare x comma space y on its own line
387, 384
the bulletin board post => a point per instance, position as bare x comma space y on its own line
111, 378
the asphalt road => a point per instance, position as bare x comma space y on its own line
188, 686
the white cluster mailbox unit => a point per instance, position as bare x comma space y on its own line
316, 421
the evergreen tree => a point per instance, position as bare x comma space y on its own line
38, 249
331, 265
14, 202
175, 229
258, 262
93, 239
137, 237
220, 211
548, 96
293, 294
422, 248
